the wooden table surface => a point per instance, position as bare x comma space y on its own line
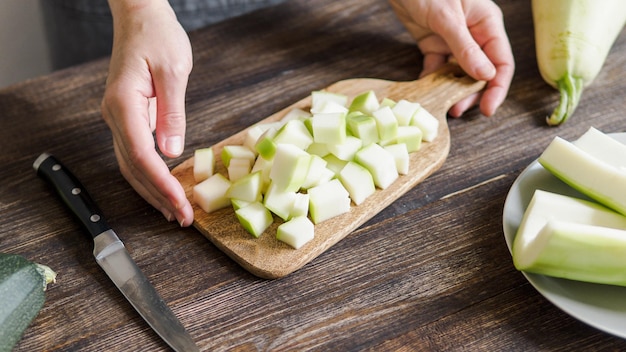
430, 272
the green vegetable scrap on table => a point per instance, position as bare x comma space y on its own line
22, 286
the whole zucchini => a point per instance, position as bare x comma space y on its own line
22, 286
572, 40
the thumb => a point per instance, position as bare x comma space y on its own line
170, 115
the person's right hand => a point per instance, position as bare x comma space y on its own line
470, 31
150, 64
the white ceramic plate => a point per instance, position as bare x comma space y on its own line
601, 306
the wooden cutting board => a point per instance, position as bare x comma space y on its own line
269, 258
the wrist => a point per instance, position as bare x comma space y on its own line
132, 8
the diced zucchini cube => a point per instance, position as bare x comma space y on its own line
295, 114
387, 102
296, 232
363, 127
255, 218
404, 111
247, 188
264, 166
210, 194
314, 175
347, 149
329, 128
238, 168
390, 141
300, 205
238, 203
319, 149
256, 131
427, 123
290, 167
357, 181
265, 145
294, 132
278, 201
380, 163
328, 200
330, 107
334, 164
365, 102
319, 98
327, 175
386, 123
308, 123
203, 164
401, 157
411, 136
230, 152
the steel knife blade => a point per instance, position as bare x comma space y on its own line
112, 256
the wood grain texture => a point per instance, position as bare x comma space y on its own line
269, 258
430, 272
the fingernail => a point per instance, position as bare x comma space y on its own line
168, 215
174, 144
181, 221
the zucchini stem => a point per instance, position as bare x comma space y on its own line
570, 89
48, 274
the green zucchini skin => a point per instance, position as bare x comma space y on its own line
22, 286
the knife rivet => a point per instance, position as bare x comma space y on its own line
56, 167
95, 218
76, 191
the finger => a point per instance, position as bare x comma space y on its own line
465, 104
490, 34
152, 113
139, 186
128, 150
432, 62
151, 178
170, 84
139, 162
497, 89
463, 46
435, 51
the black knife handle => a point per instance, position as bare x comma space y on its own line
72, 192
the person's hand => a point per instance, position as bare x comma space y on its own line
470, 31
150, 64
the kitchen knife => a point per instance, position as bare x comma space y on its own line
113, 257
